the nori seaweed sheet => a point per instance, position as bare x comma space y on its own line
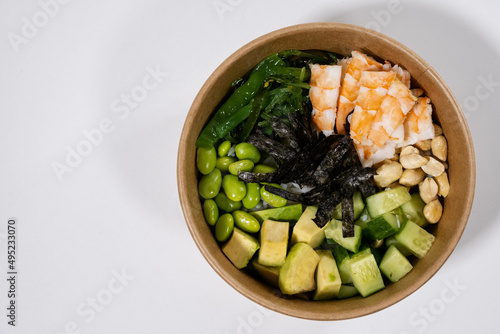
330, 165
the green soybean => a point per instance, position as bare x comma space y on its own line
247, 151
224, 227
205, 160
241, 165
274, 200
262, 169
246, 221
209, 185
210, 211
252, 198
225, 204
234, 189
224, 162
224, 148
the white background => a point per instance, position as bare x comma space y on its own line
115, 212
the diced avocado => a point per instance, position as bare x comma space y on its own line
387, 200
333, 230
414, 238
347, 291
358, 204
297, 274
240, 248
306, 230
414, 210
365, 274
381, 227
342, 257
363, 218
273, 243
394, 265
328, 280
268, 274
392, 241
285, 213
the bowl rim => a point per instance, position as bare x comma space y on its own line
290, 308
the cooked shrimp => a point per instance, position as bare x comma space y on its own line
418, 122
373, 89
350, 85
324, 93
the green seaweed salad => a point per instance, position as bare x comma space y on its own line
294, 206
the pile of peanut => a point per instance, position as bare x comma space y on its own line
423, 164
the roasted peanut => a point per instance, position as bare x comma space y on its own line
408, 150
437, 130
440, 148
412, 177
389, 172
433, 211
412, 160
424, 145
433, 167
443, 184
428, 189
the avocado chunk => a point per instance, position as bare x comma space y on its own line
273, 243
285, 213
268, 274
328, 280
297, 274
240, 248
306, 230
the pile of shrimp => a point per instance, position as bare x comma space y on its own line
386, 112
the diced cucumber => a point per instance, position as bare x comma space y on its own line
365, 274
414, 210
363, 218
387, 200
286, 213
417, 240
381, 227
394, 265
358, 204
400, 216
363, 252
347, 291
334, 231
342, 257
392, 241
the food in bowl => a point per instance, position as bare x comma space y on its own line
322, 171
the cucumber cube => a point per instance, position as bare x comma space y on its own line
334, 231
381, 227
395, 265
358, 204
387, 200
414, 238
347, 291
414, 210
342, 258
365, 274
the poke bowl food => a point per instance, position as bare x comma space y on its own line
321, 180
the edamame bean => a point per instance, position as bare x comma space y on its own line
246, 221
224, 162
205, 160
234, 189
252, 198
247, 151
241, 165
210, 211
224, 148
225, 204
272, 199
263, 169
224, 227
209, 185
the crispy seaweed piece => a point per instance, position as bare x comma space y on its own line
275, 149
285, 132
250, 177
347, 217
327, 208
332, 160
285, 194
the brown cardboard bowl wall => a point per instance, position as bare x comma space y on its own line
343, 39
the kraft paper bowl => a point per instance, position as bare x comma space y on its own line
343, 39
